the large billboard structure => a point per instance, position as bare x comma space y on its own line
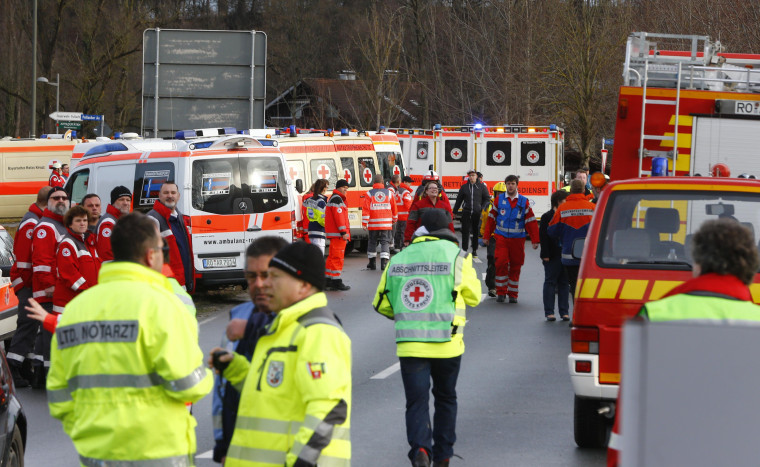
202, 79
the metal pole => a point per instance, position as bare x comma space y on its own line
155, 95
57, 97
32, 130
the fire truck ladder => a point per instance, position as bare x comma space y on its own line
642, 54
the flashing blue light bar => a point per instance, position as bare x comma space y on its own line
344, 131
185, 134
228, 130
437, 126
201, 145
553, 127
382, 128
293, 131
659, 167
117, 135
478, 126
104, 148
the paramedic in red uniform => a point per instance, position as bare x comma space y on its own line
432, 198
171, 224
45, 239
22, 343
121, 203
77, 262
571, 221
56, 178
338, 231
511, 217
403, 204
378, 216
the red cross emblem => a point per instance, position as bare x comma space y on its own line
347, 175
421, 153
532, 157
499, 156
293, 172
396, 170
367, 175
417, 294
323, 171
456, 153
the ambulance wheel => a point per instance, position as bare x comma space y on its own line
589, 426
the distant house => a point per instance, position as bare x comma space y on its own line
344, 103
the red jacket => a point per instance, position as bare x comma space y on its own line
379, 210
531, 225
419, 207
303, 227
104, 230
57, 180
336, 216
21, 271
77, 266
161, 214
45, 238
403, 201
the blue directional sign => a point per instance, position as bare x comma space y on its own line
607, 142
95, 118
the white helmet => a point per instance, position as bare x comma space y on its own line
431, 175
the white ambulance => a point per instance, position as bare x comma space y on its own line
233, 188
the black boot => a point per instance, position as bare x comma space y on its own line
383, 263
329, 284
40, 377
339, 285
372, 265
18, 379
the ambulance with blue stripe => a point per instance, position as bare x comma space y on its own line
234, 188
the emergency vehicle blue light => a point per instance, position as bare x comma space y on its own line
382, 128
478, 126
104, 148
267, 142
659, 167
553, 127
202, 145
244, 132
44, 136
230, 130
329, 131
117, 135
73, 134
185, 134
437, 126
344, 131
293, 131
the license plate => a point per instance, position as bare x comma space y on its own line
219, 263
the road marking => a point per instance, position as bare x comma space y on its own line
388, 371
483, 276
206, 455
210, 319
483, 297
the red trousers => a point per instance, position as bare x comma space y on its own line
510, 256
334, 263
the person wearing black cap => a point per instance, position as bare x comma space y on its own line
338, 231
121, 203
300, 375
416, 291
472, 197
45, 239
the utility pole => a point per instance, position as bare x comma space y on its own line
32, 130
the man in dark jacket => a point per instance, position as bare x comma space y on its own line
473, 196
555, 276
171, 224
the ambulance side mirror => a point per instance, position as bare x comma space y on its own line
299, 185
578, 244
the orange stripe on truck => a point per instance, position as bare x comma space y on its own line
21, 188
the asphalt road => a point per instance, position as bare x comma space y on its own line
515, 396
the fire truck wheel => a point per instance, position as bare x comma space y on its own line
591, 429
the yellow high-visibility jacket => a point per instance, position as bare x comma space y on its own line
295, 402
124, 360
466, 287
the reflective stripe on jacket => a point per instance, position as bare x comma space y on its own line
315, 212
417, 273
45, 238
124, 361
336, 216
295, 402
403, 201
571, 221
512, 218
77, 265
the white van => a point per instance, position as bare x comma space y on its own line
233, 188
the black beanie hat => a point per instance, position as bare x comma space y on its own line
303, 261
435, 219
341, 183
55, 188
118, 192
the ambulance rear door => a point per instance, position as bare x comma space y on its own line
454, 156
535, 169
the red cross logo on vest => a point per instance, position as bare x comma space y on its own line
456, 153
293, 172
323, 171
347, 175
396, 170
367, 175
532, 157
417, 294
499, 156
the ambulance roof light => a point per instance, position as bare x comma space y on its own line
104, 148
344, 131
478, 126
117, 135
185, 134
293, 131
437, 126
382, 128
552, 127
